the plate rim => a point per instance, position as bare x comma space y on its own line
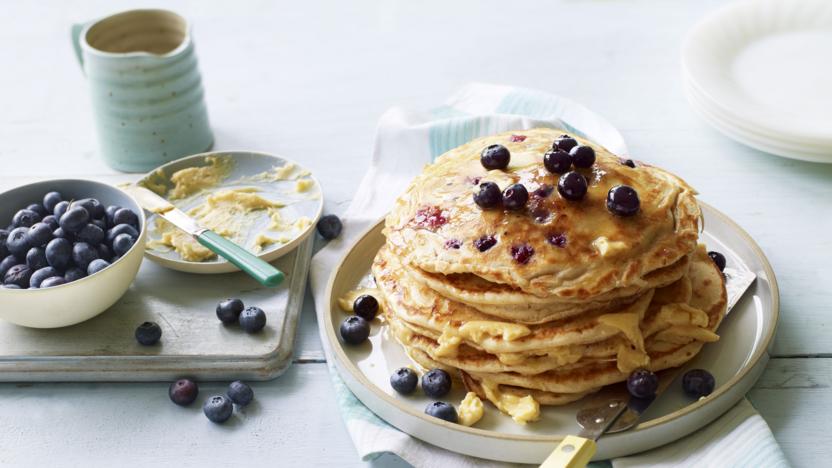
225, 266
760, 353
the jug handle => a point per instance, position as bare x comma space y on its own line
75, 34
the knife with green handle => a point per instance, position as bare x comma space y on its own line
258, 269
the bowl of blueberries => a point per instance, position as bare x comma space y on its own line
69, 249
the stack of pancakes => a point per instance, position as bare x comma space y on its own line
568, 297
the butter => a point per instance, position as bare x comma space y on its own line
288, 171
629, 359
263, 240
194, 179
303, 185
682, 334
302, 223
449, 343
471, 409
346, 301
477, 330
608, 248
627, 323
521, 409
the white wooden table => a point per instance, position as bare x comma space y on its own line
309, 80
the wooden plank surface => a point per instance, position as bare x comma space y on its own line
309, 80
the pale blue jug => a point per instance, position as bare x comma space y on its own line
146, 89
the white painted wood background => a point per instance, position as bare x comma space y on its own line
309, 80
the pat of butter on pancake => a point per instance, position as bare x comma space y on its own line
521, 410
476, 330
470, 409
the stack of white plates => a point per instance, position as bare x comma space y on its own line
760, 71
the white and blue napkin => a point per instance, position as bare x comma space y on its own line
406, 141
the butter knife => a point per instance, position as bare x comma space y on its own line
258, 269
616, 410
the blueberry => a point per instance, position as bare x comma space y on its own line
91, 234
104, 252
5, 264
39, 275
52, 282
355, 330
629, 163
59, 253
365, 306
622, 200
148, 333
74, 219
329, 226
642, 383
442, 410
61, 234
240, 393
126, 216
60, 209
51, 221
93, 207
83, 254
25, 218
515, 197
557, 161
565, 143
50, 200
572, 186
698, 383
109, 213
522, 253
582, 156
97, 265
121, 229
74, 274
218, 408
252, 319
18, 242
228, 311
37, 208
404, 380
39, 235
36, 258
19, 274
100, 223
122, 244
485, 242
489, 195
183, 392
495, 157
436, 383
543, 191
4, 251
718, 259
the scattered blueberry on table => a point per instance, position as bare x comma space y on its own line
329, 226
148, 333
642, 383
55, 241
698, 383
442, 410
436, 383
404, 380
240, 393
218, 408
355, 330
183, 392
228, 311
252, 319
365, 306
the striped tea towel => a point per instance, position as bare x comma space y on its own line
405, 142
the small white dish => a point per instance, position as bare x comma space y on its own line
765, 65
248, 165
736, 360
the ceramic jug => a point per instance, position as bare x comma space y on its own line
146, 89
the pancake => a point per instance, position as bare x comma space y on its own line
602, 252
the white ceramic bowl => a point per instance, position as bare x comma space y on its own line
81, 300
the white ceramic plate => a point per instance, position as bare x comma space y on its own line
746, 136
736, 361
767, 63
246, 164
